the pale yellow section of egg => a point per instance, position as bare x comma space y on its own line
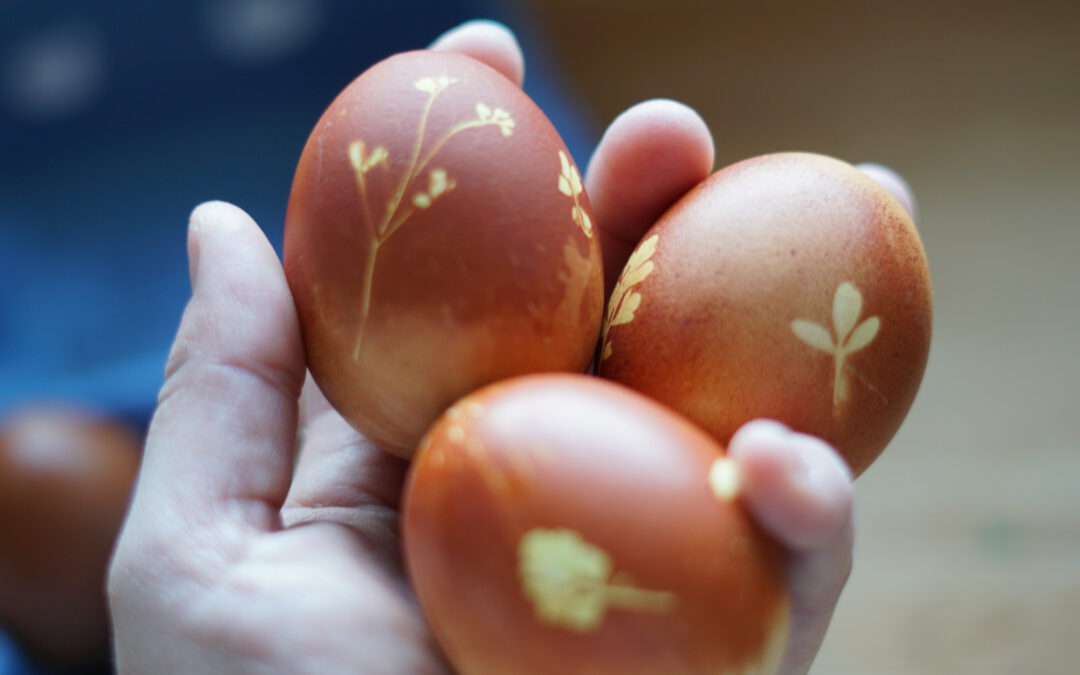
847, 308
724, 479
568, 581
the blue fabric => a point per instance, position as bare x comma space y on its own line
11, 661
93, 207
94, 197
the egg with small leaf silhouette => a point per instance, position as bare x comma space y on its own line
438, 237
559, 523
788, 286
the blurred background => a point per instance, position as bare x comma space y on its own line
117, 117
968, 540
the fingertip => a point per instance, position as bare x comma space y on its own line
206, 211
219, 215
893, 182
209, 225
489, 42
666, 122
796, 485
193, 250
239, 287
649, 157
756, 432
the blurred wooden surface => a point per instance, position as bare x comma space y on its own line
968, 553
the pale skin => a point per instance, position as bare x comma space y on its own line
240, 556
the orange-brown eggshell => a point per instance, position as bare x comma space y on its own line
485, 270
65, 479
575, 454
736, 305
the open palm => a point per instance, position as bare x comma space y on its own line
233, 560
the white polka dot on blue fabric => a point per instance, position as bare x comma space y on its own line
257, 32
56, 73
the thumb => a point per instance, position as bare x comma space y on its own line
222, 438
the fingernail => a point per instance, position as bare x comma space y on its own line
193, 250
196, 232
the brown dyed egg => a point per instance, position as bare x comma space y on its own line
788, 286
561, 523
438, 238
65, 479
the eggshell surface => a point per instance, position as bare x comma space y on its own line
787, 286
438, 237
560, 523
65, 479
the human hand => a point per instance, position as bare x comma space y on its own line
234, 560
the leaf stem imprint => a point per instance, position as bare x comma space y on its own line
570, 185
624, 299
365, 298
847, 307
410, 173
393, 215
639, 599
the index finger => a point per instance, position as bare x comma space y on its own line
489, 42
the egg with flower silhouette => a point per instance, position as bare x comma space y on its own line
438, 237
788, 286
562, 523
